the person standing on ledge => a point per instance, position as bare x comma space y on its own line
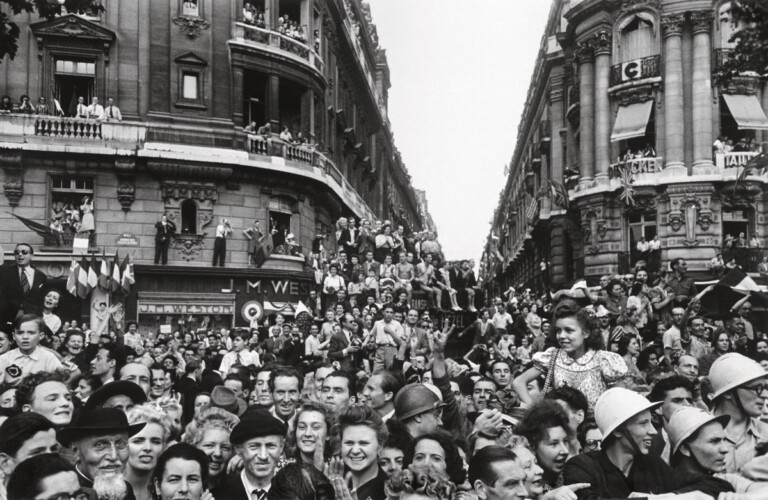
165, 230
220, 245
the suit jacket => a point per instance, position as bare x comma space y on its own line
13, 297
164, 232
364, 244
232, 488
188, 388
338, 343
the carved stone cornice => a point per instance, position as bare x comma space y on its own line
189, 171
701, 21
672, 24
13, 166
602, 42
627, 6
584, 52
125, 167
741, 85
634, 95
192, 27
179, 190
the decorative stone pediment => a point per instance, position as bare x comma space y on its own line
73, 28
191, 59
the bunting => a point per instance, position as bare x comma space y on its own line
115, 279
104, 274
93, 277
126, 270
74, 271
82, 279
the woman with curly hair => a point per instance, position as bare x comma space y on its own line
308, 438
438, 452
417, 483
546, 426
577, 361
145, 447
210, 433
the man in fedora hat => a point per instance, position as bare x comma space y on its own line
623, 466
120, 394
99, 441
226, 399
258, 440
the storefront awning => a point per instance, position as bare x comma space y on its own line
631, 121
747, 112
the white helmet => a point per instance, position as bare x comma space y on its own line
617, 405
732, 370
686, 421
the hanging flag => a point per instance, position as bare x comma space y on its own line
559, 194
74, 271
82, 279
115, 280
104, 274
756, 166
93, 275
127, 272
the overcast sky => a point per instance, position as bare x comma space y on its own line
460, 72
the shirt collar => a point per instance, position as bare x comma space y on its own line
35, 356
249, 487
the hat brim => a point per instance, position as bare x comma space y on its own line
68, 435
723, 419
116, 388
740, 383
649, 407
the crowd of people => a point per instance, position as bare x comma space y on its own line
285, 25
626, 389
79, 109
724, 144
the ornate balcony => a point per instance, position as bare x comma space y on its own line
636, 71
721, 57
276, 43
734, 159
64, 130
637, 168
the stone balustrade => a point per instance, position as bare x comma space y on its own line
734, 159
70, 130
275, 41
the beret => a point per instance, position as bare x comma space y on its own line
257, 423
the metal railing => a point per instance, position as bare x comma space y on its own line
647, 67
720, 58
253, 35
746, 258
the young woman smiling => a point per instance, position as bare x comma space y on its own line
145, 448
308, 437
577, 362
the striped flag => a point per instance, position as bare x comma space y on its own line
104, 274
127, 272
93, 277
756, 166
559, 194
82, 279
74, 271
115, 280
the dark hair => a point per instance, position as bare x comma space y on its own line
184, 451
586, 426
72, 332
363, 415
664, 385
350, 380
569, 309
27, 318
643, 358
237, 332
613, 283
282, 371
116, 353
481, 464
391, 382
300, 482
24, 483
172, 358
454, 465
93, 381
26, 389
624, 344
398, 436
542, 416
571, 396
18, 429
675, 262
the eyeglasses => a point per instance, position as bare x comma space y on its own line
757, 389
78, 495
21, 252
592, 444
104, 446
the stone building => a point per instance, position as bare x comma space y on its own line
188, 76
616, 143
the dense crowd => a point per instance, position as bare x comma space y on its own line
627, 389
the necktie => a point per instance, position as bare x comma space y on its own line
110, 112
24, 281
240, 358
258, 495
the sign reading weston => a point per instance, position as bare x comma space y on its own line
184, 308
278, 289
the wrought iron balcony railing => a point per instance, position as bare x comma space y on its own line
636, 70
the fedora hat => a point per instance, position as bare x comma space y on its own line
116, 388
96, 422
224, 398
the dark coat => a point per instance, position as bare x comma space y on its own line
13, 297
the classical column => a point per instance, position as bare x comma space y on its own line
602, 47
557, 122
673, 95
273, 102
585, 60
762, 134
701, 23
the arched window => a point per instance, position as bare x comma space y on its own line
188, 217
637, 35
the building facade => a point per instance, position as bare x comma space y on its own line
187, 76
616, 145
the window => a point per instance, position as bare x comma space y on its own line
73, 79
190, 8
727, 26
636, 37
68, 208
640, 226
188, 217
280, 211
190, 83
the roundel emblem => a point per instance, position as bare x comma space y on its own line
252, 311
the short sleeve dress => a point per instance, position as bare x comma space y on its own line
592, 373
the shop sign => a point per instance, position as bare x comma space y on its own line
276, 289
184, 308
267, 296
632, 70
127, 240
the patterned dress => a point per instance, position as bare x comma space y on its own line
592, 373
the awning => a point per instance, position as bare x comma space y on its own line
631, 121
747, 112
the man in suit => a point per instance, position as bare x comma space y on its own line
21, 287
189, 386
112, 112
342, 347
349, 238
165, 230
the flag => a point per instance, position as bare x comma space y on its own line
40, 229
104, 274
74, 271
115, 280
756, 166
127, 272
559, 194
93, 277
82, 279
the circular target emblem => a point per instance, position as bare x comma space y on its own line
252, 311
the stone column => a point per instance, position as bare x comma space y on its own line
762, 134
602, 48
673, 95
557, 122
273, 103
237, 95
585, 60
701, 23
